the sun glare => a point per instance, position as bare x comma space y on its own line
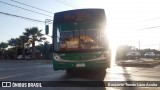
119, 34
113, 47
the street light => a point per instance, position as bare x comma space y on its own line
47, 21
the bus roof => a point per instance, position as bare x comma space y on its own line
78, 15
81, 10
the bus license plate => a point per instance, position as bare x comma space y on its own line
80, 65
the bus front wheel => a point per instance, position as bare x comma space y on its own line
69, 71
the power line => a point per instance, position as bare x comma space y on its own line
149, 28
64, 3
150, 45
21, 17
71, 3
32, 6
24, 8
151, 19
67, 4
78, 3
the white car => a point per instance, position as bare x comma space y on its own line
149, 54
133, 55
27, 57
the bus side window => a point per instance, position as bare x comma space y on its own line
57, 39
58, 34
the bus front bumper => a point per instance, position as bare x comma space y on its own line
99, 64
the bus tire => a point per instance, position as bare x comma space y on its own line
69, 71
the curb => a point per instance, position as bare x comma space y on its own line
140, 64
27, 61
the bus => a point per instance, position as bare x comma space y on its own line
79, 40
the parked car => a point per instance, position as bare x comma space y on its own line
27, 57
157, 55
149, 55
133, 55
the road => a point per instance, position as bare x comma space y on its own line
42, 71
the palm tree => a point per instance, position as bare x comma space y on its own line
2, 48
14, 43
34, 34
23, 40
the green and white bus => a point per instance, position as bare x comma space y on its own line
80, 40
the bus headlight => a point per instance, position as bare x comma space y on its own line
56, 57
105, 54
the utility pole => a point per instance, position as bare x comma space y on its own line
159, 46
139, 44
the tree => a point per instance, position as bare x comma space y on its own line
14, 43
3, 45
2, 48
23, 41
34, 34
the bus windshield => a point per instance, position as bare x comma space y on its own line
76, 33
82, 39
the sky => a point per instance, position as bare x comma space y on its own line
130, 22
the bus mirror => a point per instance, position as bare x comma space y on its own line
47, 29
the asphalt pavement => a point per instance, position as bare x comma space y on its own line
40, 70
